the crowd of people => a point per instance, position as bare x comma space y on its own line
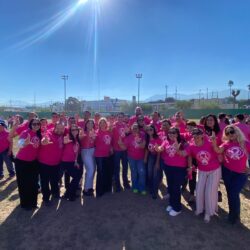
71, 151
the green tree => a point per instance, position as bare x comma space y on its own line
183, 104
73, 104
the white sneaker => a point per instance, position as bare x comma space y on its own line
207, 218
197, 213
169, 208
174, 213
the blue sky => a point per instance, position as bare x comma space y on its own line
188, 44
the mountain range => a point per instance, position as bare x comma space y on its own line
180, 96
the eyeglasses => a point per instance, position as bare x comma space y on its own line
172, 133
230, 132
36, 124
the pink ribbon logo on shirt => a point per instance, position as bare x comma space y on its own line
234, 153
122, 132
204, 157
171, 151
107, 139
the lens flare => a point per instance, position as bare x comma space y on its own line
45, 29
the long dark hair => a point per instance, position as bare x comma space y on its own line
216, 128
90, 120
38, 132
179, 138
155, 135
71, 137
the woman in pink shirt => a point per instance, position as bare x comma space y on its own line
235, 150
49, 157
175, 168
27, 166
87, 152
209, 174
5, 150
119, 131
70, 163
152, 160
104, 163
135, 145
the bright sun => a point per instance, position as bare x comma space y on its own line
82, 1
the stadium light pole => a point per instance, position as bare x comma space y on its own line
138, 76
65, 78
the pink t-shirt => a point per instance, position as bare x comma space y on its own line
119, 131
171, 157
206, 157
70, 152
133, 119
187, 136
88, 141
132, 143
103, 143
29, 152
22, 127
181, 126
152, 143
81, 124
235, 158
50, 126
245, 129
4, 140
51, 154
157, 125
222, 125
163, 135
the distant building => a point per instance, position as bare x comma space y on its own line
57, 107
106, 105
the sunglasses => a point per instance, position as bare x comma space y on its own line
36, 124
197, 133
230, 132
172, 133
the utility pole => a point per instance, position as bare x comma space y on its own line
65, 78
138, 76
166, 91
176, 93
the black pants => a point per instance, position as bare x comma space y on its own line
105, 170
49, 180
191, 183
27, 182
76, 174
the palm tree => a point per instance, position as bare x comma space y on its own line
230, 84
235, 93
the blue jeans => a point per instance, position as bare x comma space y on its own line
120, 155
137, 174
154, 174
234, 182
4, 157
175, 178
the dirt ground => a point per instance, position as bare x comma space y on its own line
116, 221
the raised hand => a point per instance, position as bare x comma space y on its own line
46, 140
27, 141
16, 121
66, 139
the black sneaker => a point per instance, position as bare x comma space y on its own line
127, 186
87, 193
1, 177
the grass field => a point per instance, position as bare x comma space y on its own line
117, 221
